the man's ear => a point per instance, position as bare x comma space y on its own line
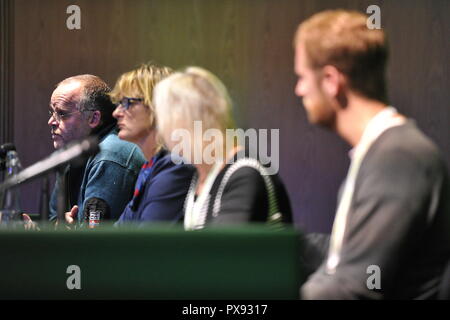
95, 119
333, 81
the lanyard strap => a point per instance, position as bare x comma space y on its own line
274, 216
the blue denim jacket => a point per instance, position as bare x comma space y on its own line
109, 175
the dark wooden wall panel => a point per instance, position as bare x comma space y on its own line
6, 70
248, 44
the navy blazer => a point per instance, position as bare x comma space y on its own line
163, 192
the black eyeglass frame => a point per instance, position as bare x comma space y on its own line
127, 102
58, 116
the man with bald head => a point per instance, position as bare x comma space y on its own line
79, 107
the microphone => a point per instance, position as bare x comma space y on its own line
71, 153
4, 148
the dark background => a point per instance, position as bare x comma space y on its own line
248, 44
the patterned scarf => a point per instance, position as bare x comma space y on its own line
146, 171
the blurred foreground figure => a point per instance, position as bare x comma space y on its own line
391, 234
193, 111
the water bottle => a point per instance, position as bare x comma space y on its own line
10, 214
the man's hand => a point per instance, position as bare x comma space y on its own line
70, 216
28, 224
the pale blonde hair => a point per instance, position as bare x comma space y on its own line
193, 94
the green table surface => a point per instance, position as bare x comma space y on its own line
252, 262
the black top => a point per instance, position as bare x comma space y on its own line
244, 197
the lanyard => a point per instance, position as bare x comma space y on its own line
384, 120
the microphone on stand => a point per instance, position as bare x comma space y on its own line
71, 153
4, 148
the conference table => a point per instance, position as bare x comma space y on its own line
159, 262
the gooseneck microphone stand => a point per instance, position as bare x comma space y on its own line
4, 148
44, 200
62, 194
58, 160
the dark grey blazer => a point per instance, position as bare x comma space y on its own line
399, 221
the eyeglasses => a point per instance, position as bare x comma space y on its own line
60, 115
126, 102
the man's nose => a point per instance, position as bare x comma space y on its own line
52, 121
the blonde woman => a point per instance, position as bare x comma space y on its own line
162, 184
228, 187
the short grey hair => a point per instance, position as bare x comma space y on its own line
95, 96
